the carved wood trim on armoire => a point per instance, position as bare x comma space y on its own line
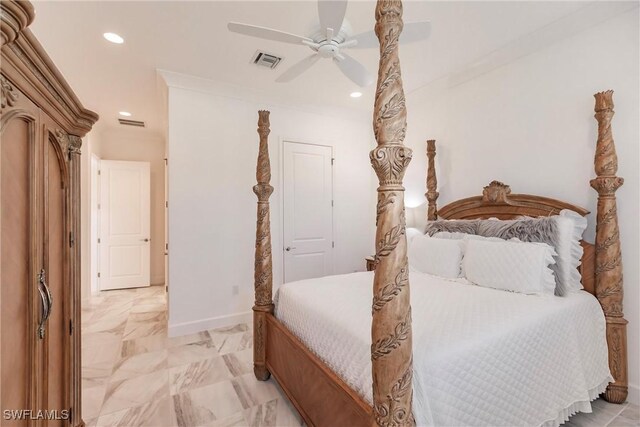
41, 126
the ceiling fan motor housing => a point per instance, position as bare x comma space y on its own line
328, 50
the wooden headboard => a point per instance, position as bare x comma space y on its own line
497, 201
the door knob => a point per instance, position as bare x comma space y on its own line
145, 240
288, 248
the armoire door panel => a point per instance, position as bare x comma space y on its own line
55, 262
19, 367
41, 126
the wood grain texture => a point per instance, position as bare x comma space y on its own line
33, 91
370, 263
263, 268
56, 261
608, 256
432, 182
26, 64
391, 348
497, 201
8, 94
74, 267
588, 267
19, 309
320, 396
16, 16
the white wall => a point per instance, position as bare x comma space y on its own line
88, 142
212, 151
530, 124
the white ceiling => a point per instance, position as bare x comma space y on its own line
192, 38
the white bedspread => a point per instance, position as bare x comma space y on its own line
482, 357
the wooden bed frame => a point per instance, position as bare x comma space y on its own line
320, 396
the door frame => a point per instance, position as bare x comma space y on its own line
94, 225
305, 141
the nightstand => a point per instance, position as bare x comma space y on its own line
371, 262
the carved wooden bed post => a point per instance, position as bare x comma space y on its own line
608, 282
432, 182
391, 348
263, 273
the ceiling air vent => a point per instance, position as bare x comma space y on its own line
264, 59
127, 122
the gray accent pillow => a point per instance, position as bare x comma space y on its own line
467, 226
542, 230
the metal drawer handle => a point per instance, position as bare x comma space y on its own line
288, 248
47, 302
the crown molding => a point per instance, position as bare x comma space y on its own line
184, 81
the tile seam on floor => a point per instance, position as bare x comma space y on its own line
624, 405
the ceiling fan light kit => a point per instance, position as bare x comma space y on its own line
329, 43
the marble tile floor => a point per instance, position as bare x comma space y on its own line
607, 415
134, 375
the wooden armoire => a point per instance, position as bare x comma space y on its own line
41, 123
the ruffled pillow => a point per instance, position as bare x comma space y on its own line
571, 226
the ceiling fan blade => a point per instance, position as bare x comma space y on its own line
412, 32
331, 13
353, 69
266, 33
298, 68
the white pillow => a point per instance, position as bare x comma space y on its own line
511, 266
455, 235
413, 232
439, 257
571, 225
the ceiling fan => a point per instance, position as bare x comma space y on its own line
333, 38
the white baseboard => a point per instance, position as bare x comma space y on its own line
634, 394
193, 327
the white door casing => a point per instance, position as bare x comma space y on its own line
166, 225
94, 227
125, 224
308, 211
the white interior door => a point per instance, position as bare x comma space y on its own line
308, 211
124, 224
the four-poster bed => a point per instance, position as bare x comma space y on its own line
323, 397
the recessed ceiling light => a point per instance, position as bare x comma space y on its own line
125, 113
356, 94
113, 38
